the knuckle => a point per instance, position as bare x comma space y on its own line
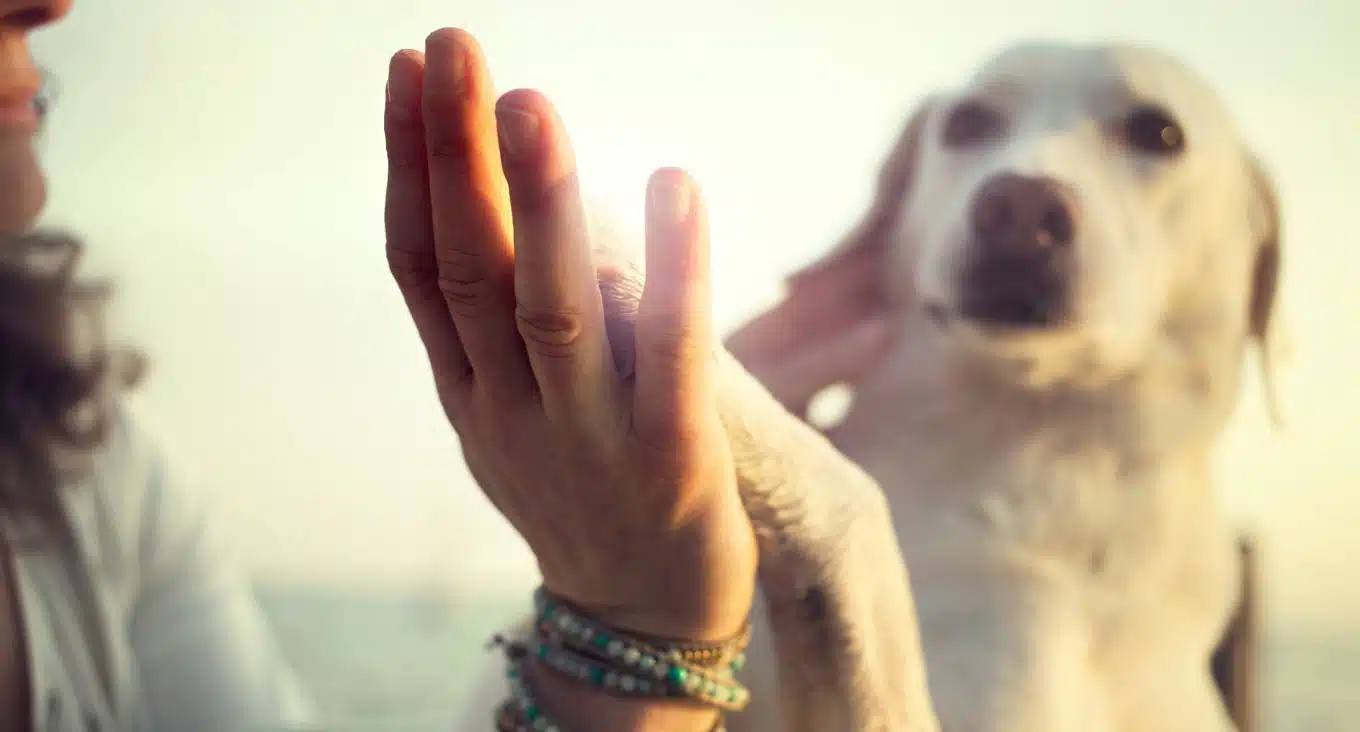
405, 155
550, 331
463, 279
447, 148
416, 277
464, 298
446, 137
669, 340
670, 352
405, 142
668, 435
452, 386
420, 294
409, 268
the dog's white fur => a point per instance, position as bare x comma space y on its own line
1070, 564
1051, 493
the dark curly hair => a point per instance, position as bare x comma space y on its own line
58, 376
57, 373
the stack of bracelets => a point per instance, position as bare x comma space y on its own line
569, 643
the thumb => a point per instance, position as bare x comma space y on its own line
842, 357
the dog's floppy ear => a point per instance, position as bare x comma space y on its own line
1263, 321
864, 248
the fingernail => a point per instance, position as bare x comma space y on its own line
519, 131
670, 200
403, 93
451, 46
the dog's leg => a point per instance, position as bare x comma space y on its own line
831, 571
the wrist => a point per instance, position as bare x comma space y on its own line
687, 595
675, 627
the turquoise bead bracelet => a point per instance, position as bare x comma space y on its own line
521, 712
645, 661
568, 642
674, 681
577, 630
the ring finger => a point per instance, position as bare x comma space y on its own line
560, 313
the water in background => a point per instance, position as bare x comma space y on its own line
385, 663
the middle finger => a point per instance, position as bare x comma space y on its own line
474, 237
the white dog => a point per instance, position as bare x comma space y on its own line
1075, 249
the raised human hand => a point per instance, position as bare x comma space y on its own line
624, 488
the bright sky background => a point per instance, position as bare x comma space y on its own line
225, 160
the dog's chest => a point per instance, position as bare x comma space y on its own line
961, 491
1020, 542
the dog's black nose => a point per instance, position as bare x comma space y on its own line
1020, 262
1019, 214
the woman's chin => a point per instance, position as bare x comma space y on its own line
23, 189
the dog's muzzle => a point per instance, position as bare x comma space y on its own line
1018, 271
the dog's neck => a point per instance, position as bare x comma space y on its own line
927, 415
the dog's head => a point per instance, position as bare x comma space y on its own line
1072, 213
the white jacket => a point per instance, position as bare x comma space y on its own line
146, 624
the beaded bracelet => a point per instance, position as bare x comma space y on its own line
521, 712
631, 655
621, 665
672, 682
577, 630
676, 682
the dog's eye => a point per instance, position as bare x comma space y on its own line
971, 123
1152, 130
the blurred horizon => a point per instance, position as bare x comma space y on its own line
225, 161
